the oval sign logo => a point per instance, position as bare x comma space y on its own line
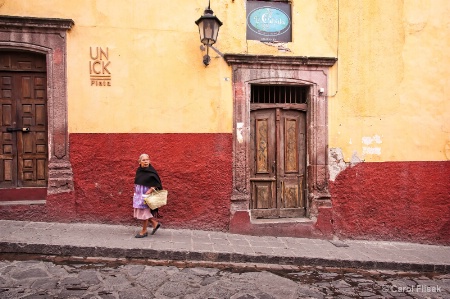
268, 21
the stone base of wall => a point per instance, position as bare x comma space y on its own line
241, 223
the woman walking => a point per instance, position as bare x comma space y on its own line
145, 182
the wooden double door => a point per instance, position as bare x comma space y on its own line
23, 122
278, 163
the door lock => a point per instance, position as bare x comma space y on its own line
25, 129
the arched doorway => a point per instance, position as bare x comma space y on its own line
302, 131
37, 80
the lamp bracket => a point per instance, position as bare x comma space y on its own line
203, 48
217, 51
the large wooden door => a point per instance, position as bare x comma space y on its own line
23, 122
278, 155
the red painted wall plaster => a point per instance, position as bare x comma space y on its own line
402, 201
195, 168
405, 201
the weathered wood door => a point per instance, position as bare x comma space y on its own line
278, 163
23, 120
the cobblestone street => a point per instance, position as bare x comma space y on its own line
82, 260
46, 279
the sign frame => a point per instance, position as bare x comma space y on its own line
269, 21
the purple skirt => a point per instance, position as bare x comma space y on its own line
141, 210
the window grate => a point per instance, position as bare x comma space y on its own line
279, 94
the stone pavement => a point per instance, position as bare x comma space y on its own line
84, 241
32, 279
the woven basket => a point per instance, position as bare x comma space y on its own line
156, 199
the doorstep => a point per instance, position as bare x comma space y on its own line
303, 220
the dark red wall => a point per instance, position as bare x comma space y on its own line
195, 168
407, 201
402, 201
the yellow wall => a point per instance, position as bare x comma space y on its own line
388, 94
393, 100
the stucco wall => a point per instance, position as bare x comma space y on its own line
388, 99
392, 101
388, 103
393, 201
193, 167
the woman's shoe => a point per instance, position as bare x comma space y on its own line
141, 236
156, 228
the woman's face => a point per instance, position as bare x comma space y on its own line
145, 161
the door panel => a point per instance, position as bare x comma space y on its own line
23, 122
32, 144
292, 162
263, 195
8, 141
278, 163
263, 181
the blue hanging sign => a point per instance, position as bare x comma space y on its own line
269, 22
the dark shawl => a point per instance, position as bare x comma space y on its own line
147, 176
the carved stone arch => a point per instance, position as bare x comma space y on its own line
47, 36
250, 69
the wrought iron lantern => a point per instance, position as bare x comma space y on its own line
208, 27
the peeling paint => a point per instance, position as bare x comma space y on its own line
337, 164
369, 140
367, 150
239, 128
280, 46
355, 159
371, 150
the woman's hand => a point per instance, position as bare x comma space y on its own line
150, 190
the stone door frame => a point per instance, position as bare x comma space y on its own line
286, 70
47, 36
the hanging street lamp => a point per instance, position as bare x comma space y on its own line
208, 27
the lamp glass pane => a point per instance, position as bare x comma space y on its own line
209, 29
215, 31
208, 32
201, 31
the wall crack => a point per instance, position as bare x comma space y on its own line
337, 164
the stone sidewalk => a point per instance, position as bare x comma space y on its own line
84, 240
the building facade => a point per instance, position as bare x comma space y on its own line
313, 119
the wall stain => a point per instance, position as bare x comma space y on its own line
447, 150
